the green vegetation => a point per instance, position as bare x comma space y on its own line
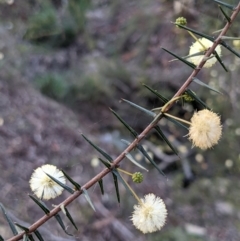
58, 28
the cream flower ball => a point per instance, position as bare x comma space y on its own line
203, 45
205, 129
43, 186
150, 214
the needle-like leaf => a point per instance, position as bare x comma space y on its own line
197, 81
70, 218
194, 96
130, 158
225, 15
108, 157
116, 186
25, 237
225, 4
121, 180
161, 134
106, 164
142, 150
193, 66
41, 204
134, 133
38, 235
22, 227
75, 184
220, 61
30, 237
59, 220
162, 98
9, 220
100, 182
148, 112
64, 186
88, 199
196, 32
229, 48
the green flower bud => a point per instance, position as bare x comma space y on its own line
137, 177
181, 21
188, 98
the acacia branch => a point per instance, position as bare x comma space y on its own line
116, 162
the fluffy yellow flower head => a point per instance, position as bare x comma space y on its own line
236, 43
203, 45
150, 214
205, 129
43, 186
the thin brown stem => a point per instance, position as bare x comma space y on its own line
179, 119
115, 163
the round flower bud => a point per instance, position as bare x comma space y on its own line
205, 129
188, 98
137, 177
181, 21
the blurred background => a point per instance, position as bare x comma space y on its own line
64, 63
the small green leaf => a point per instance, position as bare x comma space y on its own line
193, 66
88, 199
41, 204
38, 235
75, 184
225, 4
148, 112
175, 122
225, 15
9, 220
131, 159
108, 157
162, 98
105, 163
134, 133
116, 186
64, 186
59, 220
100, 182
70, 218
142, 150
193, 95
197, 81
196, 32
220, 61
161, 134
22, 227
